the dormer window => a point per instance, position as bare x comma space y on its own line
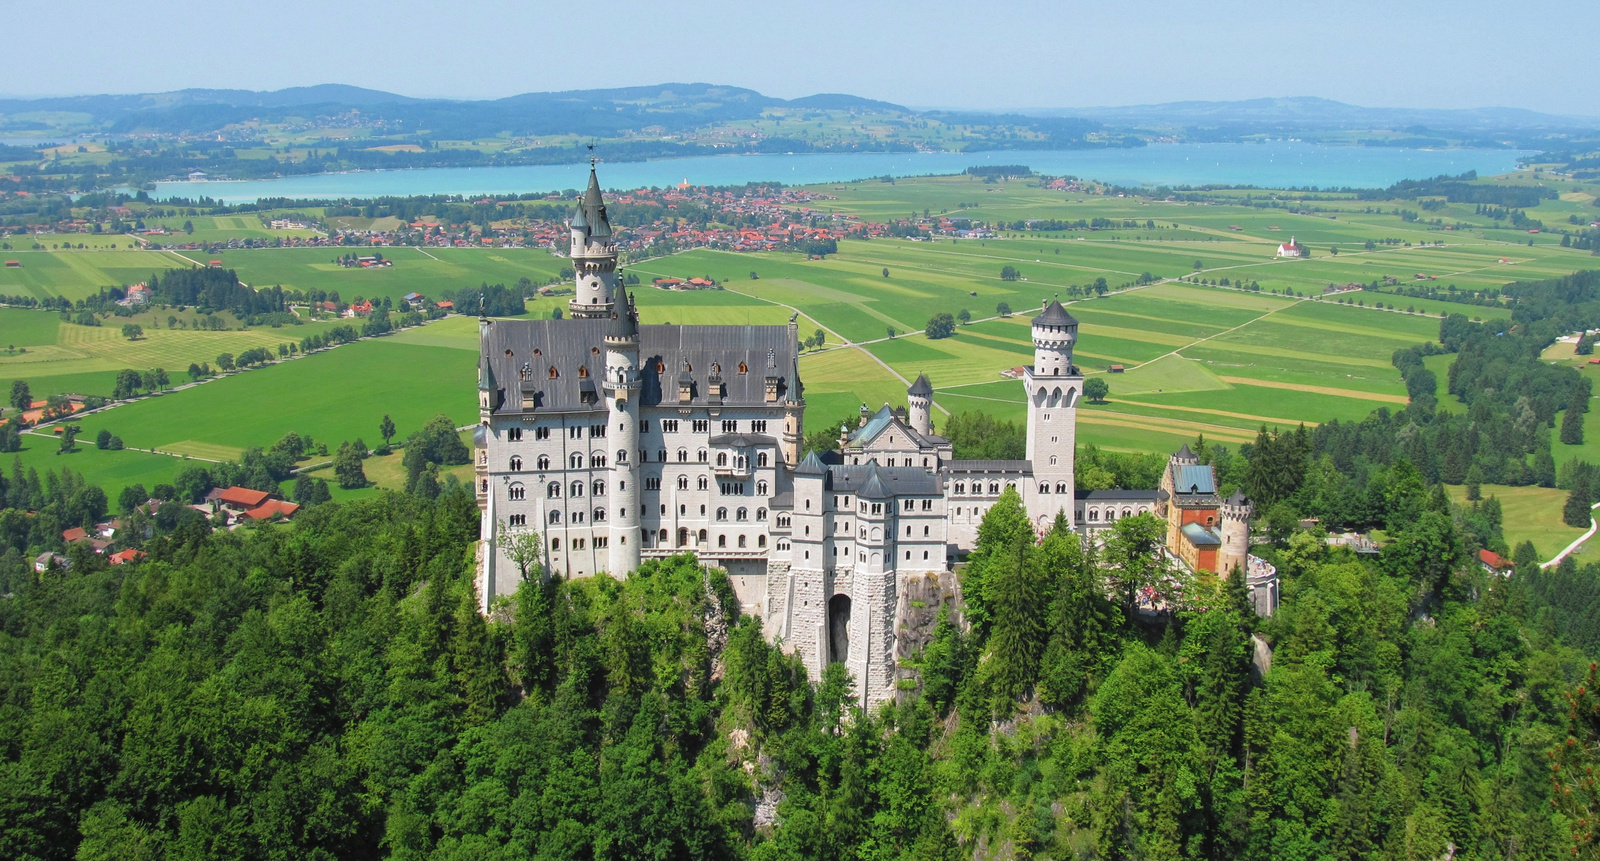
716, 367
583, 372
743, 369
537, 351
660, 368
554, 374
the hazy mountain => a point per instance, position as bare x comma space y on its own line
1310, 112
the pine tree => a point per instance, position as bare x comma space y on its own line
1572, 426
1576, 510
1474, 483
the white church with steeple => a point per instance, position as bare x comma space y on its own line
613, 442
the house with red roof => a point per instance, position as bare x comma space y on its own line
1493, 562
122, 557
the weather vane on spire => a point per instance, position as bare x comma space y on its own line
591, 157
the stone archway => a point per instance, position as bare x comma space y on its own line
839, 629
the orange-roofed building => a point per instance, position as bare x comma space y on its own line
273, 509
241, 497
74, 534
123, 556
1493, 562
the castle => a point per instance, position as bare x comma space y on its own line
618, 442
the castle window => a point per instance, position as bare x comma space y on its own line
761, 542
924, 555
577, 488
722, 458
652, 484
597, 460
924, 532
516, 464
1094, 515
742, 515
554, 374
743, 369
702, 483
1061, 487
544, 462
669, 425
577, 544
761, 458
911, 505
555, 518
683, 482
541, 433
741, 542
994, 487
761, 514
553, 490
598, 489
644, 426
722, 515
761, 488
576, 461
517, 491
722, 541
599, 515
555, 545
661, 537
961, 488
583, 372
683, 455
701, 455
514, 434
517, 520
576, 516
575, 432
622, 456
702, 425
661, 455
730, 426
927, 505
1127, 513
1044, 487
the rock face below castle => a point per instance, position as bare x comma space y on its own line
602, 443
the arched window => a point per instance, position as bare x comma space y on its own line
662, 455
662, 538
1061, 487
554, 373
555, 545
553, 490
722, 514
961, 487
1052, 460
742, 515
544, 462
1044, 487
599, 515
597, 461
761, 458
576, 516
702, 483
577, 489
761, 488
994, 487
555, 517
517, 491
700, 455
783, 521
683, 455
741, 541
597, 489
761, 514
516, 464
622, 456
702, 536
683, 482
722, 458
576, 461
722, 541
683, 537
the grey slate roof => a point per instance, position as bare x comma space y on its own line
1238, 498
811, 465
881, 419
1055, 314
1011, 466
884, 481
1117, 495
1188, 479
508, 355
591, 213
921, 387
1200, 536
743, 440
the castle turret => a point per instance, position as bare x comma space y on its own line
594, 254
1053, 385
919, 400
794, 403
622, 385
1235, 550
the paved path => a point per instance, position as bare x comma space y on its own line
1573, 547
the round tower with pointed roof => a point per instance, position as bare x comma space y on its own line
622, 384
1053, 386
919, 400
594, 254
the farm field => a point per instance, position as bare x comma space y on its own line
332, 396
1530, 514
110, 470
62, 357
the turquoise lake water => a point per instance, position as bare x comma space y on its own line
1278, 164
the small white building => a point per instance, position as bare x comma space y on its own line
1291, 249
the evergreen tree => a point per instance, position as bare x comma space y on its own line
1572, 426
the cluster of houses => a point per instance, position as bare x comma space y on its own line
235, 505
682, 284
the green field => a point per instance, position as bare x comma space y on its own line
1529, 514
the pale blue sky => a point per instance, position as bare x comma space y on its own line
971, 54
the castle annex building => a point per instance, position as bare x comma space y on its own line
618, 442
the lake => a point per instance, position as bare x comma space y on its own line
1274, 164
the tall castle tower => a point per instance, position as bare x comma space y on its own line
1235, 549
1053, 386
919, 400
622, 399
594, 254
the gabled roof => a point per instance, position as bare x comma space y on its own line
243, 496
1055, 314
812, 465
872, 487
